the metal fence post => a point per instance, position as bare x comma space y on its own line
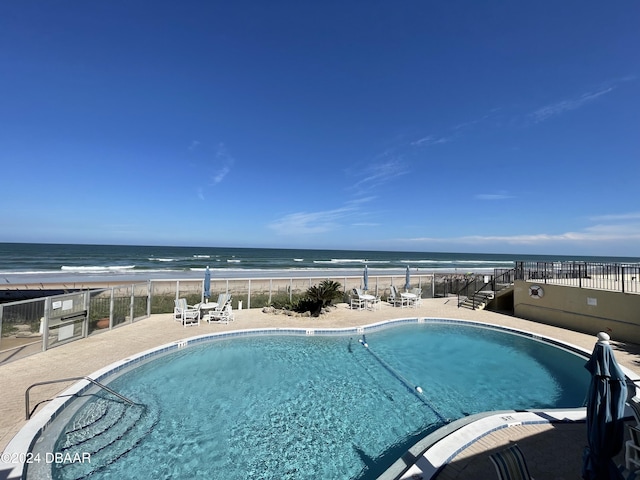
45, 324
111, 307
249, 295
580, 275
132, 303
149, 298
87, 306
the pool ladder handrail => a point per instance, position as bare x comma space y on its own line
71, 379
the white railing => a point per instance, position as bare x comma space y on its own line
31, 326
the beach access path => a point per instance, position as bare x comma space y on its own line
83, 357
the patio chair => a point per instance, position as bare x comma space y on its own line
356, 302
510, 464
395, 298
375, 303
632, 450
362, 300
224, 315
186, 314
634, 403
223, 312
180, 306
418, 300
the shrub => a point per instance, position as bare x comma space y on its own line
318, 296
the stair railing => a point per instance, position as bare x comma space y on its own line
499, 277
70, 379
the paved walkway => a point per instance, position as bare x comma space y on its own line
554, 450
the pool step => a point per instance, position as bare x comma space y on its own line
478, 301
104, 430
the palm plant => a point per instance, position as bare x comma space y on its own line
319, 296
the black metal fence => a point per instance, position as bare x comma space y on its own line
615, 277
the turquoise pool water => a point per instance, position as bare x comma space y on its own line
298, 407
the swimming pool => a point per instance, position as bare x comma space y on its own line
310, 406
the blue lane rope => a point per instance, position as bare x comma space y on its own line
416, 390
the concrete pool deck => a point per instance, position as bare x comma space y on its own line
554, 451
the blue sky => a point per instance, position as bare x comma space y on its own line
462, 126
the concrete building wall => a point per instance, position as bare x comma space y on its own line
580, 309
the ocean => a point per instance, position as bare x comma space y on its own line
52, 263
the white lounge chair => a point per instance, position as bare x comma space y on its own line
418, 300
360, 300
395, 298
186, 314
223, 312
357, 303
221, 316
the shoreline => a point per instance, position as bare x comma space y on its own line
52, 280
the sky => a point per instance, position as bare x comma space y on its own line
457, 126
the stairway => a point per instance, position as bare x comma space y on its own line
477, 301
105, 430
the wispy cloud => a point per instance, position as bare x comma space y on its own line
222, 164
616, 217
366, 224
473, 123
548, 111
493, 196
220, 174
623, 228
214, 168
430, 140
374, 175
306, 223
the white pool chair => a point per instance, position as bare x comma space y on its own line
186, 314
223, 312
356, 302
395, 298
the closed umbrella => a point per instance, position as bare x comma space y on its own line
207, 283
365, 278
605, 411
407, 280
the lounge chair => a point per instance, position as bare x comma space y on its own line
510, 464
418, 300
395, 298
223, 312
632, 450
634, 403
360, 300
357, 303
221, 316
186, 314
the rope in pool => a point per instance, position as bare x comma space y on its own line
415, 389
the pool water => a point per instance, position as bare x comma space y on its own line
298, 407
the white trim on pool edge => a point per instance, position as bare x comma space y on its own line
24, 440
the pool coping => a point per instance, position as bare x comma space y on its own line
428, 454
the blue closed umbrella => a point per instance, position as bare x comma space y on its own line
365, 277
605, 411
207, 283
407, 280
